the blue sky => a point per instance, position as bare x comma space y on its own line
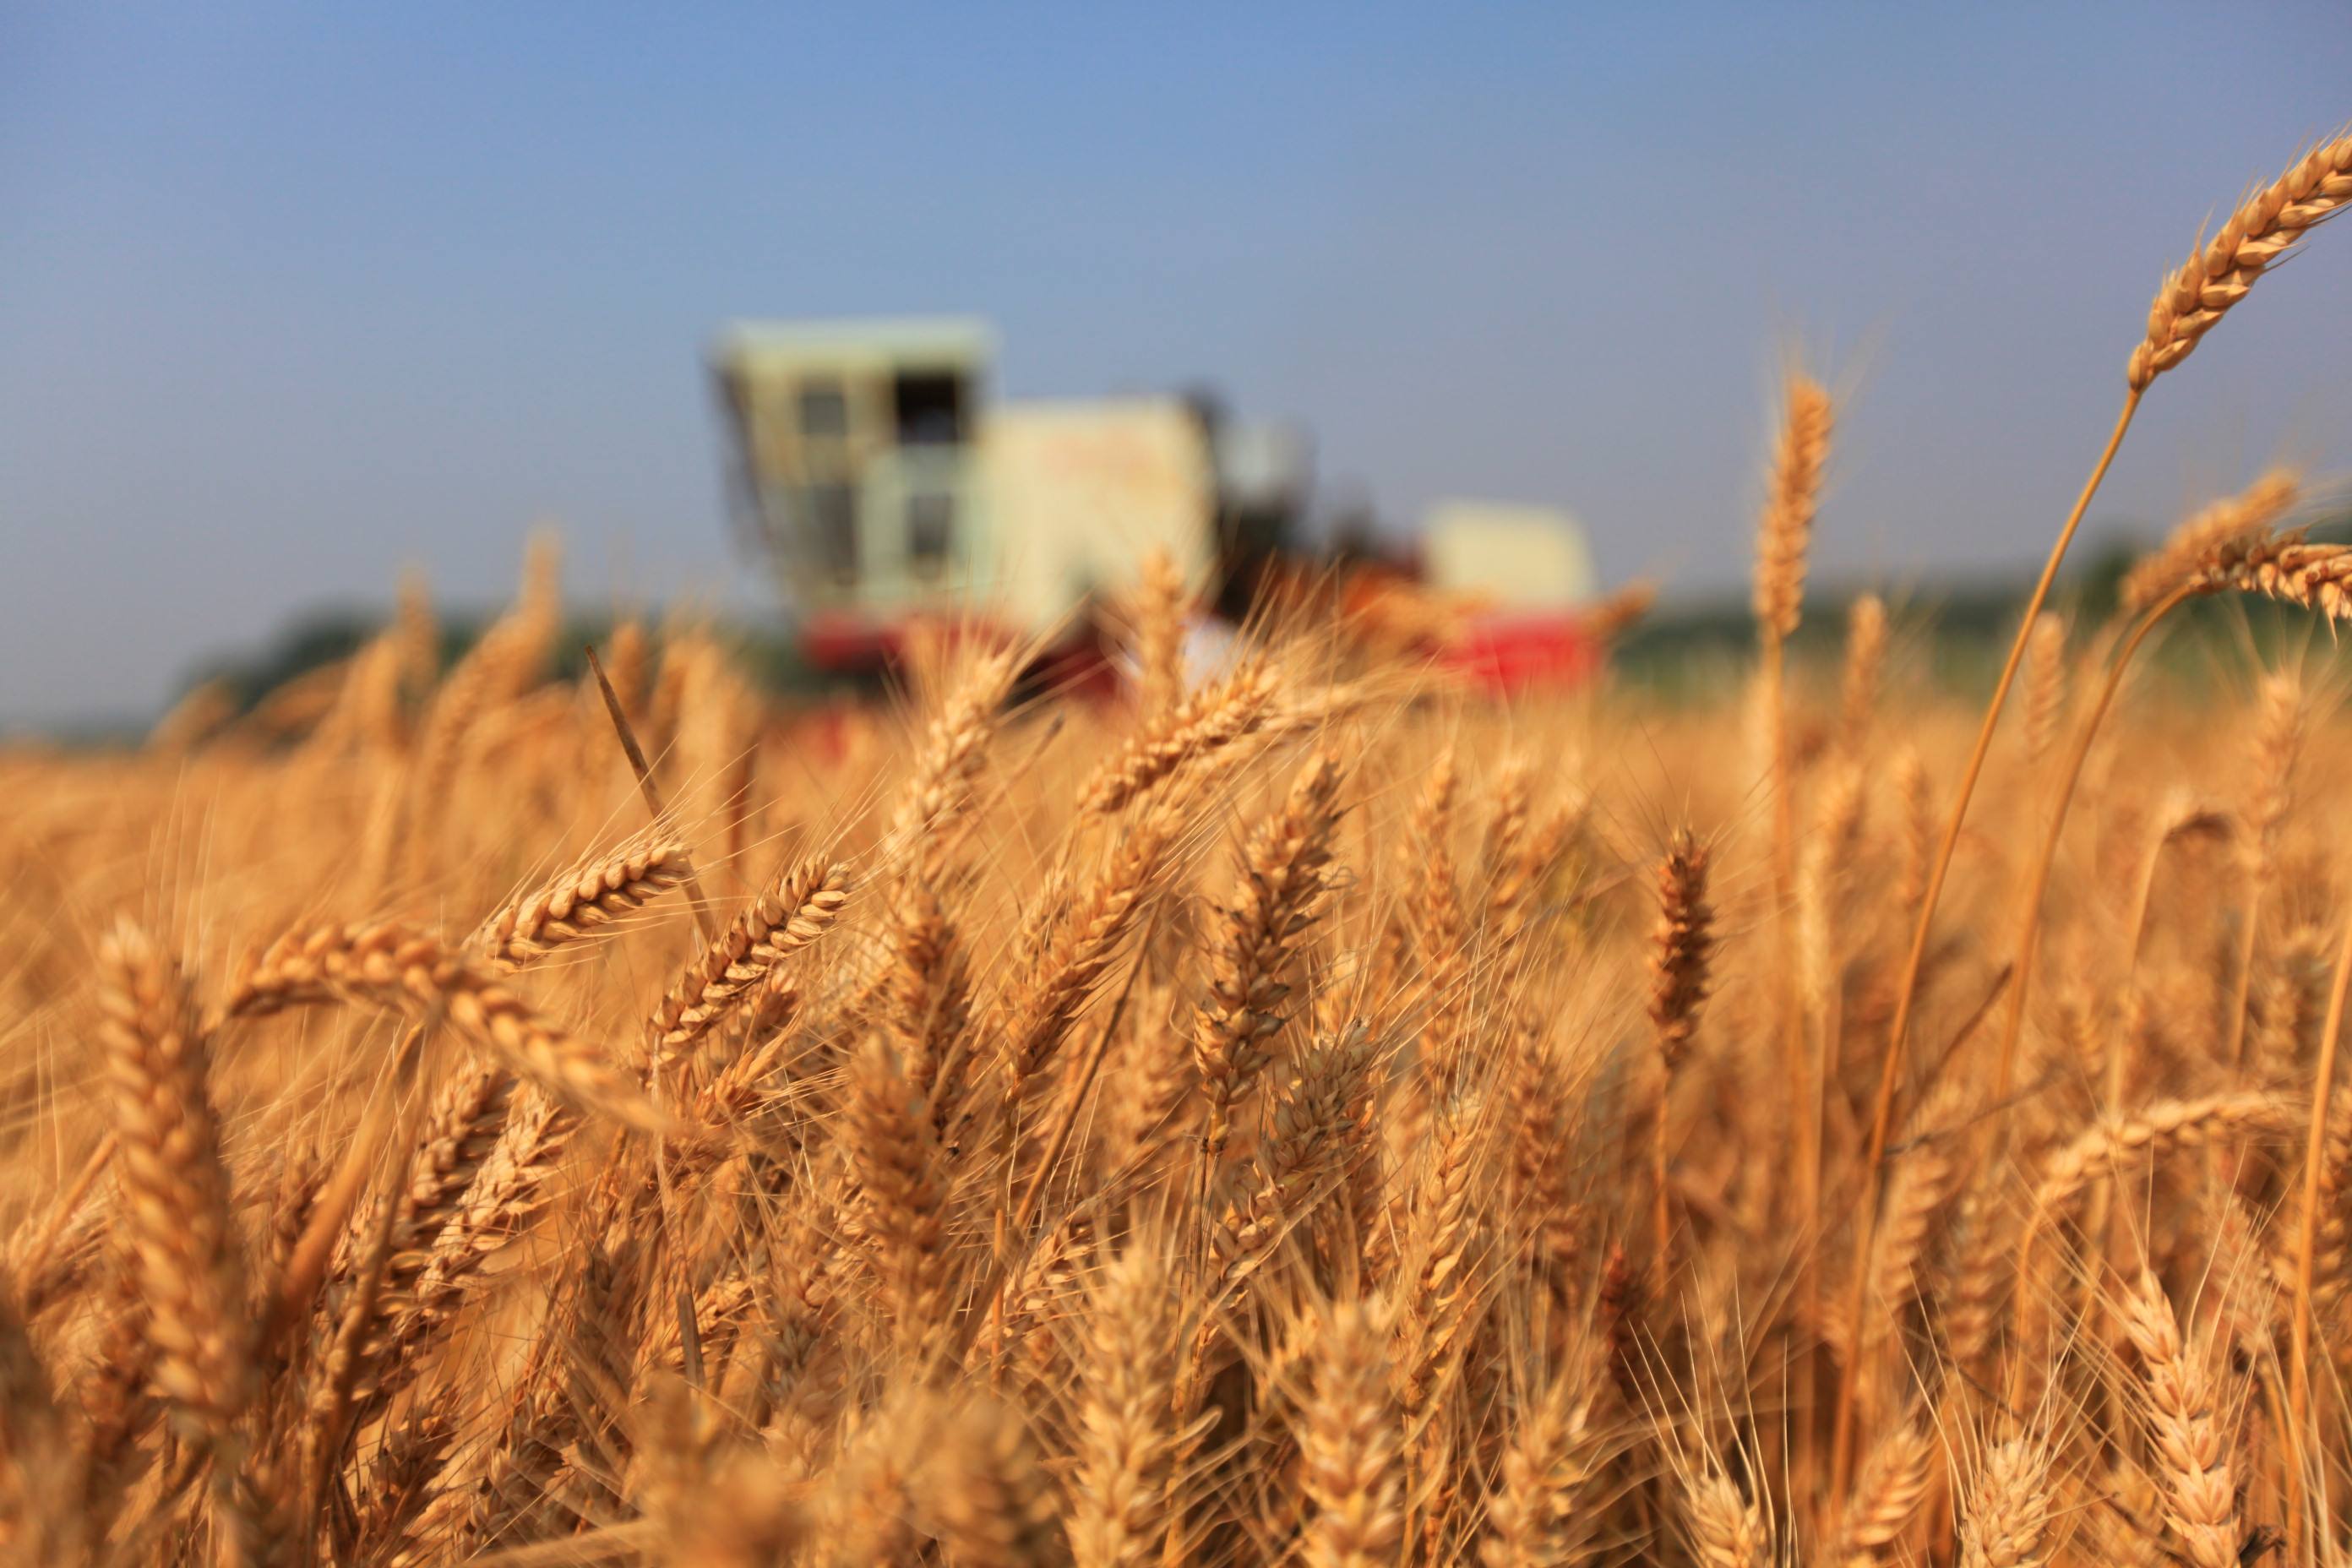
292, 296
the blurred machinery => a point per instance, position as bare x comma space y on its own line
1527, 575
883, 482
875, 472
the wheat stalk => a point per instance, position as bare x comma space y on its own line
2187, 306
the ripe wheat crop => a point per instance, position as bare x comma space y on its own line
1295, 1112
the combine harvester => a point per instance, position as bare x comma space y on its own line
1527, 573
887, 487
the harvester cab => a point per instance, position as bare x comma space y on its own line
885, 485
856, 467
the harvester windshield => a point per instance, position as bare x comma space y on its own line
876, 475
857, 459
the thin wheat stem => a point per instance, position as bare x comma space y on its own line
2307, 1236
1890, 1066
2037, 880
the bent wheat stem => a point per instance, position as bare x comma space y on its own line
1906, 986
2307, 1231
2037, 880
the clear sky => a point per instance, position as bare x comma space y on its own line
293, 295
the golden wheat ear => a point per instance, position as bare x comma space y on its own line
2046, 685
2009, 1507
177, 1222
1123, 1492
802, 906
2264, 228
1893, 1484
1727, 1529
1350, 1442
1784, 531
985, 1496
902, 1192
1608, 622
1155, 610
1197, 728
1681, 949
2187, 1414
1283, 875
398, 967
1866, 636
1533, 1513
2212, 540
572, 906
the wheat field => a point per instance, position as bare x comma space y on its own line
1298, 1112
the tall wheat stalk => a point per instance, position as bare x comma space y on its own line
2191, 302
1783, 538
